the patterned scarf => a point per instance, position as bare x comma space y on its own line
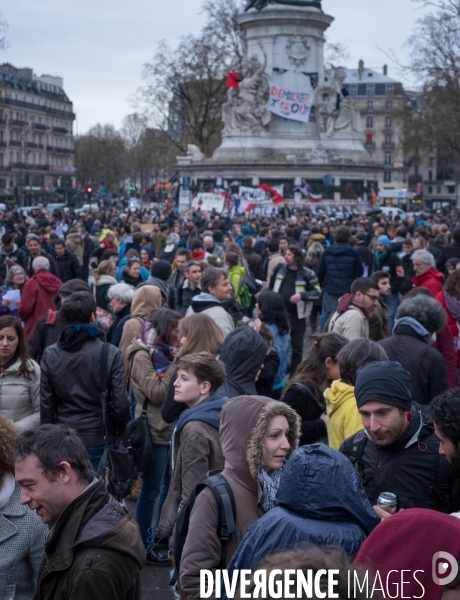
270, 484
148, 335
162, 356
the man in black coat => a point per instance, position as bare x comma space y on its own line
189, 288
397, 451
450, 251
10, 255
67, 263
70, 386
417, 320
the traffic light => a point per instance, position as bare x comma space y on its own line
131, 188
89, 191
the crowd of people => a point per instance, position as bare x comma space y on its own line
312, 364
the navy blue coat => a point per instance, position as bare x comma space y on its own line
321, 500
340, 265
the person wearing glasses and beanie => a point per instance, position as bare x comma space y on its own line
354, 310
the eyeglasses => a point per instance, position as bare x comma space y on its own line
373, 298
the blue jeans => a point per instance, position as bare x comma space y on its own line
328, 308
166, 480
95, 455
392, 302
151, 485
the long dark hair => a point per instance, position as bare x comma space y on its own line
273, 310
26, 369
166, 321
312, 370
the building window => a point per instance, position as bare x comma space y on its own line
430, 175
430, 189
387, 176
389, 105
388, 139
388, 122
369, 140
390, 89
370, 122
370, 105
370, 89
387, 158
416, 169
438, 189
1, 160
431, 162
451, 189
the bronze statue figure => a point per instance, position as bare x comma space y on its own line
260, 4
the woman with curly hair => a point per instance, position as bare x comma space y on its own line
22, 533
19, 376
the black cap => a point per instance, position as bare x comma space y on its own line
74, 285
386, 382
161, 269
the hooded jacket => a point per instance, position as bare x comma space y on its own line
71, 386
68, 266
102, 287
37, 297
343, 415
340, 265
432, 280
320, 500
94, 550
243, 353
161, 285
209, 305
147, 384
195, 450
411, 467
20, 397
145, 300
243, 427
74, 244
410, 346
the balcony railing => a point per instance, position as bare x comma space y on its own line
18, 123
15, 143
37, 107
60, 130
40, 126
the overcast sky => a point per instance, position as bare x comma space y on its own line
99, 46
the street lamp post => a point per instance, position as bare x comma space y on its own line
21, 196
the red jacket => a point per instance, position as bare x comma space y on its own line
37, 297
450, 320
431, 280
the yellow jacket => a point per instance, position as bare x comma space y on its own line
344, 419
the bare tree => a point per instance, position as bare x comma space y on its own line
150, 154
4, 45
185, 87
101, 157
434, 122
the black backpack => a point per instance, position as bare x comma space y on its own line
226, 525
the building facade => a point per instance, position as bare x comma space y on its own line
37, 155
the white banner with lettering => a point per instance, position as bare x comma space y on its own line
208, 202
289, 104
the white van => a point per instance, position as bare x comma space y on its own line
394, 211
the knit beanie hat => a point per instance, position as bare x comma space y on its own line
161, 269
385, 240
385, 381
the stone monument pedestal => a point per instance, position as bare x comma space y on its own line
284, 50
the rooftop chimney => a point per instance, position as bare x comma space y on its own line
361, 69
385, 69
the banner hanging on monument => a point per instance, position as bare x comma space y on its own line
289, 104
